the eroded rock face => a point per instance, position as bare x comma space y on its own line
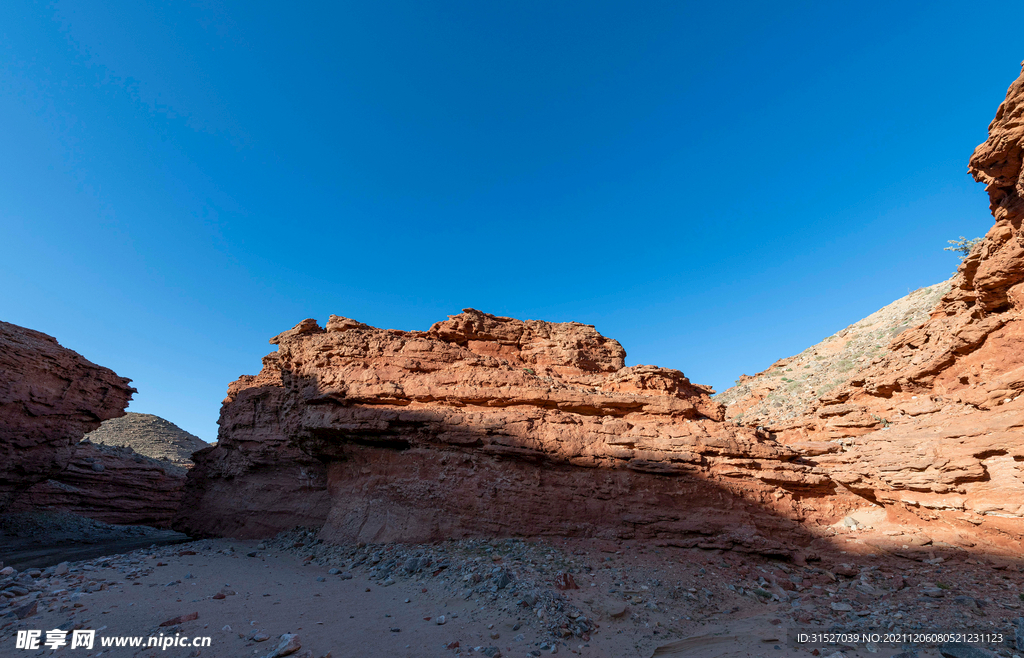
49, 398
933, 429
984, 304
486, 425
110, 484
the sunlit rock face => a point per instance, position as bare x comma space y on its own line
491, 426
933, 429
486, 425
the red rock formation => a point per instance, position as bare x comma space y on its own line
110, 484
979, 321
492, 426
932, 429
481, 426
49, 398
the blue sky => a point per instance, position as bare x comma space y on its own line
714, 186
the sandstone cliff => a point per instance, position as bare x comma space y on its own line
488, 426
49, 398
110, 484
932, 429
978, 321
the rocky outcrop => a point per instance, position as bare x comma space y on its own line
110, 484
978, 321
486, 425
150, 436
49, 398
933, 428
792, 386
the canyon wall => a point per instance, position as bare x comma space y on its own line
932, 429
486, 426
49, 398
971, 346
110, 484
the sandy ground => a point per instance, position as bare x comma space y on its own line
501, 598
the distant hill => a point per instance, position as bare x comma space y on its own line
791, 385
149, 435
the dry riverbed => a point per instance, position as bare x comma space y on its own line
504, 597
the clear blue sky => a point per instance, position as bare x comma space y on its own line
715, 185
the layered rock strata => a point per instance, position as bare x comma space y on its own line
110, 484
978, 321
933, 428
49, 398
493, 426
486, 425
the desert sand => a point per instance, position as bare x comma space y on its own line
504, 597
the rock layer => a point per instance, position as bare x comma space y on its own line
933, 429
488, 425
110, 484
492, 426
49, 398
978, 321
